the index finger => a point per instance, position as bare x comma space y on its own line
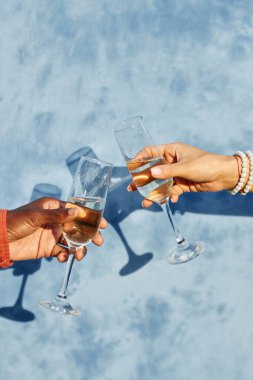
44, 203
150, 151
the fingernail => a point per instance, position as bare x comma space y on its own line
156, 171
129, 188
72, 211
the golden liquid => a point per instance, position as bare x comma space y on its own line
83, 229
154, 189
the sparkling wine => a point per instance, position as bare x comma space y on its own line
83, 229
156, 190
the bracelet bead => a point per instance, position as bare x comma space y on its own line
244, 173
250, 178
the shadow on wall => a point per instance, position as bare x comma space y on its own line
121, 203
221, 203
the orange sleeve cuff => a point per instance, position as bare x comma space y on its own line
5, 261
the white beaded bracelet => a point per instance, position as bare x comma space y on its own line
250, 179
243, 175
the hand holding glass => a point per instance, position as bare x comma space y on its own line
88, 194
141, 154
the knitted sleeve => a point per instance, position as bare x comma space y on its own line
4, 243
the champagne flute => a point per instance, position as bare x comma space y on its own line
88, 194
141, 154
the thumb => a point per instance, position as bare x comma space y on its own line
55, 216
169, 171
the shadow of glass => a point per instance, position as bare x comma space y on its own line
73, 159
120, 203
45, 190
17, 312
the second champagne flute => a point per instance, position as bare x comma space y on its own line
88, 194
141, 154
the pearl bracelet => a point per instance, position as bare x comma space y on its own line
250, 179
243, 175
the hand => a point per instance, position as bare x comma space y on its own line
192, 169
34, 229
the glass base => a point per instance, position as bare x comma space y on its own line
16, 313
60, 306
135, 263
185, 251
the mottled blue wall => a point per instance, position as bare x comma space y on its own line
71, 70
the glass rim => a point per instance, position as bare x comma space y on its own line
82, 158
119, 127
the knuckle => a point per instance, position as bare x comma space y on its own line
49, 202
45, 199
178, 144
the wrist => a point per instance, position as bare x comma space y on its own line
231, 171
244, 177
10, 220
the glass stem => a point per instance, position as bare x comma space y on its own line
63, 292
179, 238
129, 250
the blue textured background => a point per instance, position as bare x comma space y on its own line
70, 71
